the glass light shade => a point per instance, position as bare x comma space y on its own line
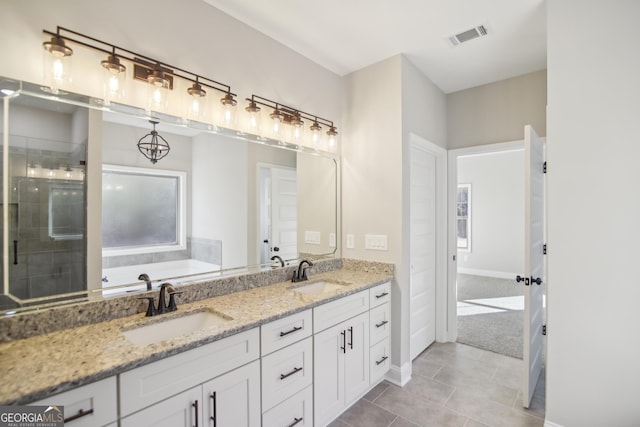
228, 118
56, 64
196, 103
253, 118
158, 91
316, 134
332, 143
277, 124
113, 79
297, 129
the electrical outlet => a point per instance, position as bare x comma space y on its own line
351, 243
332, 240
376, 242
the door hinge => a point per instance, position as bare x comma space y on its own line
544, 329
544, 249
544, 167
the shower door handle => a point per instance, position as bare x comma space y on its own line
15, 252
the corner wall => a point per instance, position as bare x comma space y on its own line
593, 204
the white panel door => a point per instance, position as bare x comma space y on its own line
423, 248
329, 348
534, 262
356, 366
233, 399
284, 213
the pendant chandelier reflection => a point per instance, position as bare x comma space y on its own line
153, 146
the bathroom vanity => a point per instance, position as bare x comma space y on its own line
282, 354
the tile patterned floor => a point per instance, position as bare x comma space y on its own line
452, 385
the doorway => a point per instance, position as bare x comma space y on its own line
490, 250
277, 213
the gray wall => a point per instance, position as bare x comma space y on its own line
497, 112
593, 203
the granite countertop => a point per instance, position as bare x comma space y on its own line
36, 367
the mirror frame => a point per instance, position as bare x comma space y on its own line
21, 88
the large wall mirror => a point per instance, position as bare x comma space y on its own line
218, 203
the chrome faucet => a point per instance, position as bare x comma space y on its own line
300, 274
277, 257
146, 278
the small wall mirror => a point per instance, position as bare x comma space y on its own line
218, 203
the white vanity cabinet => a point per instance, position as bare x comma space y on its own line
287, 370
341, 356
379, 332
91, 405
177, 390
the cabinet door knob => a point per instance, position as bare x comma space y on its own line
344, 341
195, 406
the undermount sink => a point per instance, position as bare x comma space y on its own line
175, 327
319, 287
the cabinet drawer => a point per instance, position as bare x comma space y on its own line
379, 323
156, 381
90, 405
295, 411
334, 312
286, 372
380, 294
282, 332
380, 360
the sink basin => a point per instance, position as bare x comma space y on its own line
175, 327
319, 287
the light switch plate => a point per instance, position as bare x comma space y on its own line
376, 242
332, 240
351, 241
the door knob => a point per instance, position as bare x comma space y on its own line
522, 279
537, 280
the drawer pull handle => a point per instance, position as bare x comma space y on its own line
378, 362
351, 337
195, 407
295, 370
384, 294
81, 413
214, 418
295, 421
295, 329
344, 341
381, 324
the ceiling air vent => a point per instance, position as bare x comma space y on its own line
465, 36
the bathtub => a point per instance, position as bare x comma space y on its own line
177, 272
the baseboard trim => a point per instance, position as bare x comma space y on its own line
399, 375
487, 273
548, 423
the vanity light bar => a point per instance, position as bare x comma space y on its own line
143, 65
289, 115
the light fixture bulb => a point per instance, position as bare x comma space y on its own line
297, 127
196, 102
114, 78
228, 109
333, 133
315, 132
277, 118
159, 85
253, 122
56, 63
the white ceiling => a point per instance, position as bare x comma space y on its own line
347, 35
